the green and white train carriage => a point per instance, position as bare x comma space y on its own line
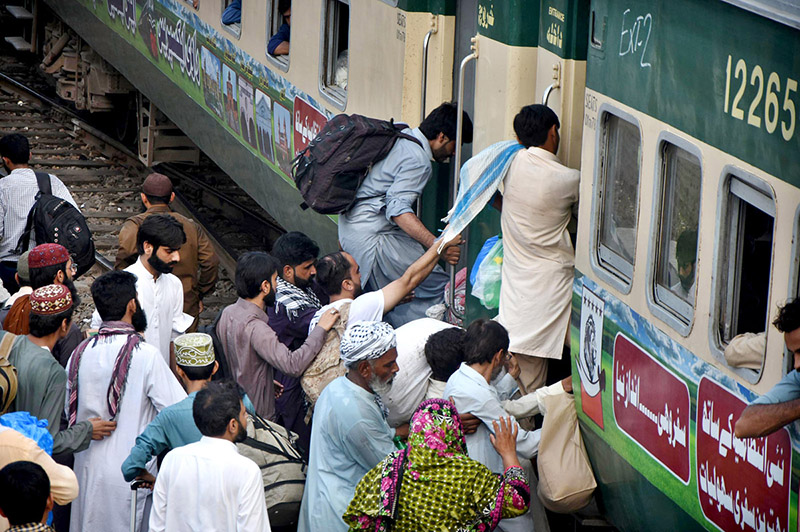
690, 129
682, 117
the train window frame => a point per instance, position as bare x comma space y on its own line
336, 96
663, 304
234, 29
618, 275
392, 3
736, 184
281, 62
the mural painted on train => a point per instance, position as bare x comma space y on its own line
253, 103
670, 415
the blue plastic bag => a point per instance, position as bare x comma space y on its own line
489, 277
487, 246
30, 426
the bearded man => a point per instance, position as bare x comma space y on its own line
118, 376
251, 346
349, 433
208, 485
160, 292
47, 264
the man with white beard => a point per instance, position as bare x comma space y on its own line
349, 433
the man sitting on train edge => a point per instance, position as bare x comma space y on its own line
381, 230
279, 43
781, 405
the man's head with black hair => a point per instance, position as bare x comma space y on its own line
113, 294
15, 151
444, 352
24, 493
486, 342
339, 275
256, 275
297, 255
788, 322
440, 128
285, 9
159, 240
537, 126
218, 412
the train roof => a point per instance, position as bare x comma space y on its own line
783, 11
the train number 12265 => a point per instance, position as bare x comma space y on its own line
769, 92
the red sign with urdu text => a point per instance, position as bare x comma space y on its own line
308, 122
651, 406
742, 484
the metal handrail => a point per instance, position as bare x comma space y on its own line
425, 44
457, 157
547, 92
423, 95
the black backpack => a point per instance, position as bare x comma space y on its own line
55, 220
330, 170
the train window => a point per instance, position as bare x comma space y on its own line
746, 260
279, 20
232, 16
334, 52
676, 258
619, 200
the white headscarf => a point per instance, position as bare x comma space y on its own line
366, 340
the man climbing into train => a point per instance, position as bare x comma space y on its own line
536, 292
381, 230
198, 267
781, 405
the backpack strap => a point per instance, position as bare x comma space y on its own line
6, 344
43, 180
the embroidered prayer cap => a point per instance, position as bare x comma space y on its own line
157, 185
51, 299
22, 267
45, 255
194, 350
366, 340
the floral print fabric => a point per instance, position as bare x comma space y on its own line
433, 485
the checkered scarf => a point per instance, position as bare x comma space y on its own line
119, 375
294, 299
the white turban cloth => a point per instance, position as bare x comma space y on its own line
366, 340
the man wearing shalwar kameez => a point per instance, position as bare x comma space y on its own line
349, 433
381, 230
114, 375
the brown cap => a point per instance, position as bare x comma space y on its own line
157, 185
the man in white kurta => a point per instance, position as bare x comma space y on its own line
105, 498
160, 294
208, 485
538, 259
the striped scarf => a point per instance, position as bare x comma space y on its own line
119, 375
294, 299
479, 179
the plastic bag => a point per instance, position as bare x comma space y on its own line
489, 276
485, 249
30, 426
566, 480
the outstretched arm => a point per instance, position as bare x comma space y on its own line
414, 275
760, 420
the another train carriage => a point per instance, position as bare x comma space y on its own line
687, 238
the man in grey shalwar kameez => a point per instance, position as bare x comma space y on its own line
381, 230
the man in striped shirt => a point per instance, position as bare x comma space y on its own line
17, 195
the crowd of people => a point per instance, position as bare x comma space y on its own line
310, 344
407, 422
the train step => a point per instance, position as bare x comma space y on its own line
19, 43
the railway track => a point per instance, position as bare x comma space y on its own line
105, 179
